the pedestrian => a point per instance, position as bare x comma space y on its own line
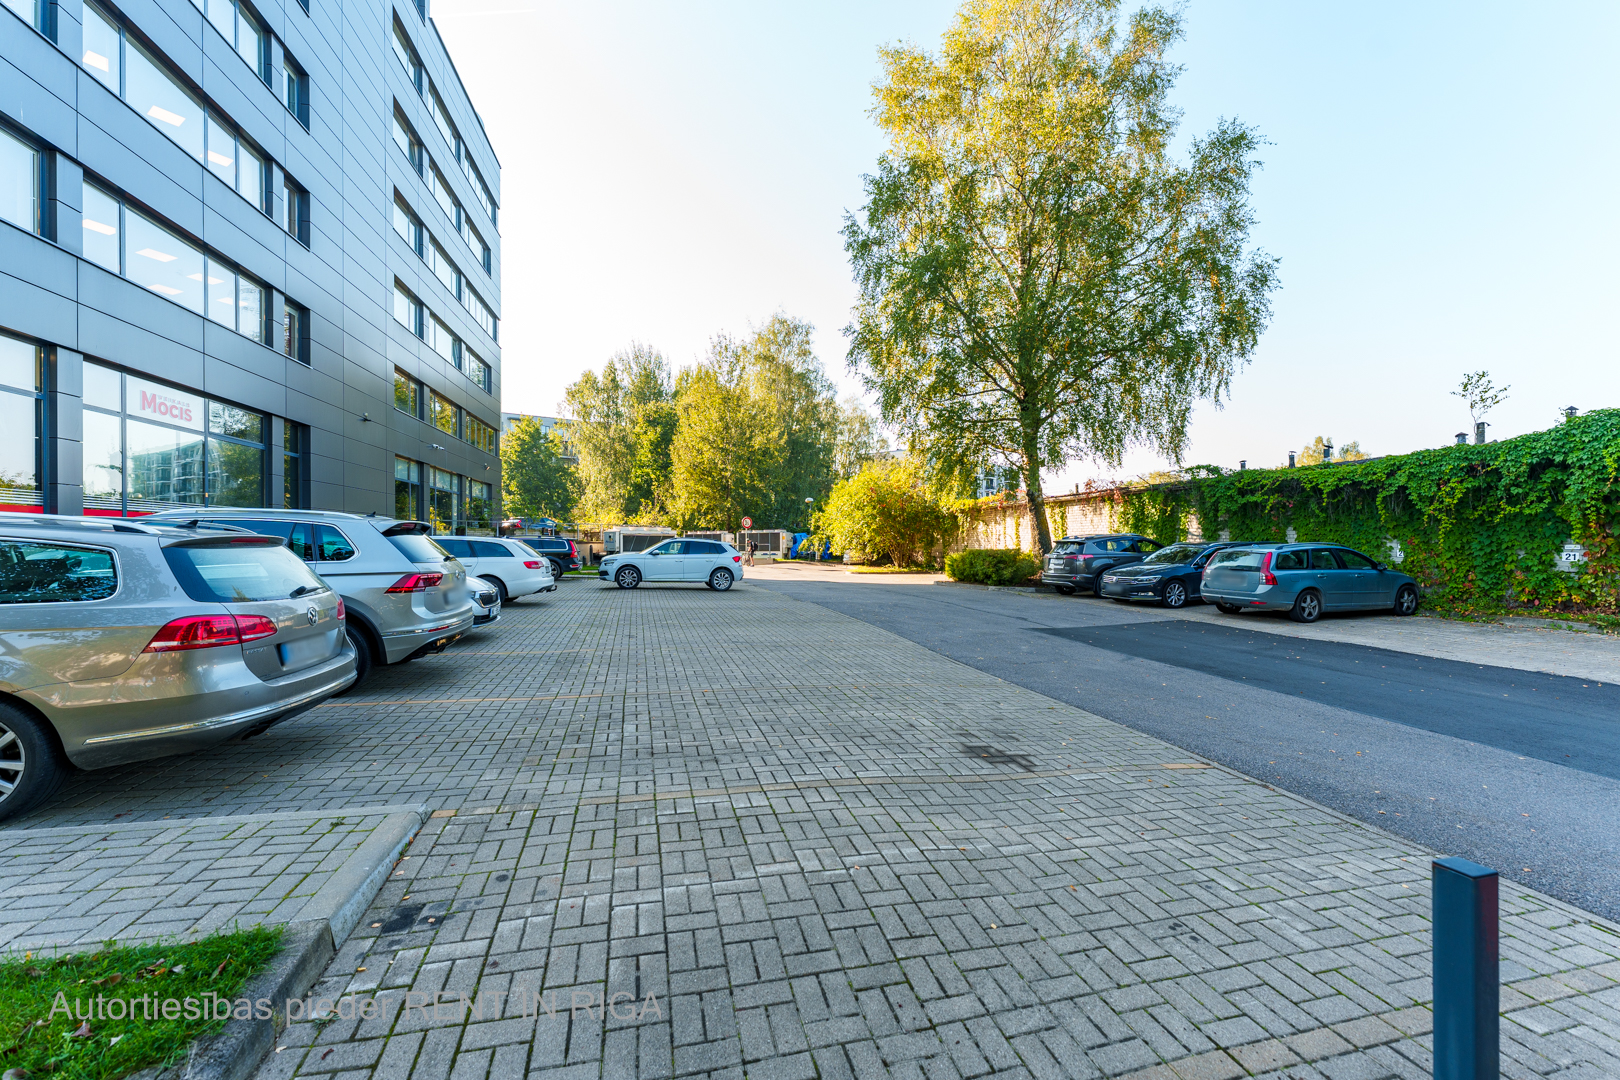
753, 546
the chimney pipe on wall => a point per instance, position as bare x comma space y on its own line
1290, 459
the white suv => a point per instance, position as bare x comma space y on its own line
510, 565
715, 564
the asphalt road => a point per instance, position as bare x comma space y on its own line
1514, 769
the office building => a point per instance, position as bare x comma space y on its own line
249, 256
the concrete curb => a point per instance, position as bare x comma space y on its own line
1033, 590
308, 945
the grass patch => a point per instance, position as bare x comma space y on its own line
145, 978
892, 569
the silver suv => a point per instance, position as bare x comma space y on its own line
406, 595
122, 641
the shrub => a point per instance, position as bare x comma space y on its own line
991, 566
884, 511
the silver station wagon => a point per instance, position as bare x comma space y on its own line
1304, 580
122, 641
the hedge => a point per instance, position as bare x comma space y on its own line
990, 566
1480, 527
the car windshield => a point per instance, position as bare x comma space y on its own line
1238, 559
236, 573
1173, 555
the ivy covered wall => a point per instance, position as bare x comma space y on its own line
1480, 527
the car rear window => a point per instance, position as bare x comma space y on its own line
238, 573
1067, 547
43, 573
418, 548
1238, 559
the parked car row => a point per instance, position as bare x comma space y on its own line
1303, 579
128, 639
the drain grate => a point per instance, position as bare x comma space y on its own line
996, 756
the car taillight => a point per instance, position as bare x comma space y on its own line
736, 558
254, 627
1266, 576
415, 583
341, 611
532, 564
209, 631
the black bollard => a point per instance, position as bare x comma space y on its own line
1467, 980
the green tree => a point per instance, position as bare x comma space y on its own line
886, 510
1039, 279
1480, 394
1320, 451
618, 417
756, 431
536, 479
857, 440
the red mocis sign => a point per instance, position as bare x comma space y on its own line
748, 523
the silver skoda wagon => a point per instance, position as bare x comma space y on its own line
122, 641
406, 595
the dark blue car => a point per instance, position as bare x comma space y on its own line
1170, 576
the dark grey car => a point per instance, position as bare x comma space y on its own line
1079, 562
1305, 580
122, 641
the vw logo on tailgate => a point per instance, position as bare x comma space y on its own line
313, 616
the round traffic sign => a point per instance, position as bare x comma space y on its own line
748, 523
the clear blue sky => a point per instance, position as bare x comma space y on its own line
1440, 188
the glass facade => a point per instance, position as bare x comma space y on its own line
19, 182
444, 500
407, 489
150, 447
20, 487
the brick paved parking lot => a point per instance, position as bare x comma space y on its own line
781, 842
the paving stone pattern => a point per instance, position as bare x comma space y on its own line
62, 888
750, 825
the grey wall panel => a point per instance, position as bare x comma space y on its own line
117, 342
25, 308
36, 85
49, 267
126, 302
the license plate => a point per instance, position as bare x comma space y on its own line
304, 651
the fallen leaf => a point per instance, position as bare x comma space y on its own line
219, 969
83, 1031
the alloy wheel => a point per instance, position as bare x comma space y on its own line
13, 760
720, 580
1307, 607
1175, 595
627, 578
1406, 601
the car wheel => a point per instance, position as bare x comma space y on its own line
1307, 606
720, 580
1406, 600
1175, 595
556, 570
628, 577
363, 659
500, 589
32, 765
1096, 585
1227, 609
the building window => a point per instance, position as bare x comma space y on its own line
127, 242
443, 341
441, 119
444, 501
295, 331
20, 405
407, 489
149, 447
407, 394
294, 470
480, 507
408, 227
407, 57
480, 313
407, 310
476, 245
295, 90
35, 13
478, 371
480, 434
443, 196
136, 76
239, 27
443, 414
19, 183
296, 204
443, 268
408, 143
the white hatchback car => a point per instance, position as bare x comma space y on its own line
715, 564
511, 566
